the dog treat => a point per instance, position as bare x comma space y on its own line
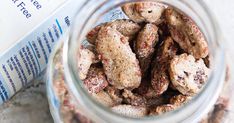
179, 100
127, 28
95, 80
162, 109
144, 46
129, 110
187, 74
144, 11
92, 34
186, 33
160, 79
85, 59
120, 63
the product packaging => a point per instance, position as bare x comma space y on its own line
29, 31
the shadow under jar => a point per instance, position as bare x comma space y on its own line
95, 12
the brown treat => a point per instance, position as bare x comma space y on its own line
120, 64
186, 33
146, 41
187, 74
150, 11
218, 114
133, 99
103, 98
161, 109
95, 80
159, 78
92, 34
129, 10
144, 11
130, 111
114, 94
84, 60
126, 27
144, 46
179, 100
166, 51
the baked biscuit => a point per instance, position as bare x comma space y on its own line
120, 63
161, 109
187, 74
126, 27
144, 46
186, 33
144, 11
95, 80
84, 60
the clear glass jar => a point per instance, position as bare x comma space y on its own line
95, 12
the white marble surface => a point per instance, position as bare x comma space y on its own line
31, 105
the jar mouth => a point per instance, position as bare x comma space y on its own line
208, 94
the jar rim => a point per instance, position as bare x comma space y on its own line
79, 92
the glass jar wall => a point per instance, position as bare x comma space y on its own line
96, 12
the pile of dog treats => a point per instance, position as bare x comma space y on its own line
149, 64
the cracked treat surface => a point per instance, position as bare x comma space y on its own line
187, 74
186, 33
144, 11
144, 45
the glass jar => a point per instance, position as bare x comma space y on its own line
64, 63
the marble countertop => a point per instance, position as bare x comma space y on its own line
30, 105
